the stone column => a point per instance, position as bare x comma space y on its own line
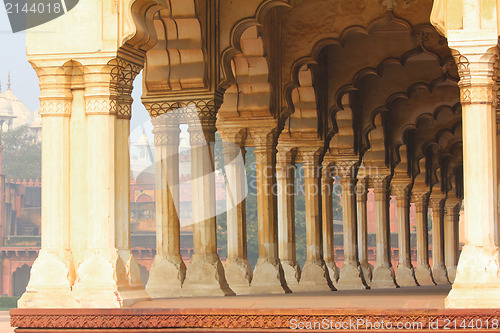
285, 171
327, 222
451, 236
168, 271
268, 276
314, 275
109, 275
438, 268
362, 220
405, 275
205, 274
477, 280
351, 276
383, 274
135, 289
423, 272
53, 273
237, 269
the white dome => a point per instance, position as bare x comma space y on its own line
23, 115
5, 106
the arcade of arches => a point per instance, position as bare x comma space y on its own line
398, 96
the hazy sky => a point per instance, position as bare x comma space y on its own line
25, 82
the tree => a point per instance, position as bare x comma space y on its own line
22, 154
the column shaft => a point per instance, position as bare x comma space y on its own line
205, 273
451, 237
383, 274
423, 272
351, 276
53, 274
477, 281
438, 268
362, 224
237, 269
268, 276
168, 271
109, 276
285, 172
327, 223
405, 275
314, 274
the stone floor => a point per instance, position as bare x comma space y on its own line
252, 312
428, 297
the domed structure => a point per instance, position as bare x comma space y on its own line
6, 112
5, 106
23, 115
14, 113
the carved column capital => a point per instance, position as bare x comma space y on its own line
326, 174
165, 132
401, 190
235, 135
421, 198
203, 111
346, 168
264, 139
380, 186
452, 206
55, 92
436, 201
108, 88
362, 189
285, 162
310, 157
476, 64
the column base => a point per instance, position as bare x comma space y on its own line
333, 272
268, 277
166, 276
423, 274
383, 277
103, 283
132, 269
50, 282
452, 272
238, 275
291, 272
440, 275
205, 277
367, 270
477, 283
406, 276
351, 277
315, 277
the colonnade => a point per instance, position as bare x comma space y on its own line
85, 105
277, 270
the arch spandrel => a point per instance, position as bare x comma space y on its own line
132, 30
406, 109
353, 41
